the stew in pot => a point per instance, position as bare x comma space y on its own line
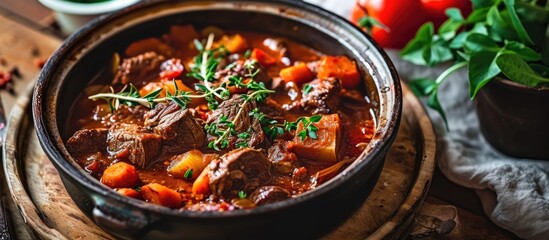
214, 120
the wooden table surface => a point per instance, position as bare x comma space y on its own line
28, 17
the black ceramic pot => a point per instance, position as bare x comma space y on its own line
85, 54
515, 118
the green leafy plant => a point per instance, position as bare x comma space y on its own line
504, 38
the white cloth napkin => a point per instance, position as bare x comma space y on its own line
514, 192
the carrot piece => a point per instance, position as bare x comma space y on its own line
129, 192
167, 85
299, 74
147, 45
120, 175
162, 195
339, 67
234, 44
170, 87
182, 35
263, 58
201, 185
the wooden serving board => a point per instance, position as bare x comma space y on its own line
387, 213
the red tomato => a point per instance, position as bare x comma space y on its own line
436, 9
404, 17
171, 69
263, 58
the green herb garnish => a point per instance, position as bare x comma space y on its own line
309, 129
307, 89
224, 128
241, 194
188, 174
273, 128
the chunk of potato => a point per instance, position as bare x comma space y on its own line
326, 147
192, 161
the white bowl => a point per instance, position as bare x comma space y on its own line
71, 15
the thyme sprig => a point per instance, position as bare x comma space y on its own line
205, 66
131, 97
273, 128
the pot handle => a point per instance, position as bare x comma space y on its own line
119, 219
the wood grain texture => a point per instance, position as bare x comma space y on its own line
19, 45
387, 213
35, 185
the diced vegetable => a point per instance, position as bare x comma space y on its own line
234, 44
183, 35
167, 85
120, 175
171, 69
339, 67
201, 185
187, 165
325, 147
299, 74
162, 195
263, 58
147, 45
129, 192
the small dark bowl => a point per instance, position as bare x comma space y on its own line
84, 54
514, 118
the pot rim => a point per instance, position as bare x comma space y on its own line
54, 149
511, 84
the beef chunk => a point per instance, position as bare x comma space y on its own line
241, 68
152, 118
243, 169
129, 141
322, 99
178, 128
88, 141
272, 109
139, 69
269, 194
284, 161
245, 123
